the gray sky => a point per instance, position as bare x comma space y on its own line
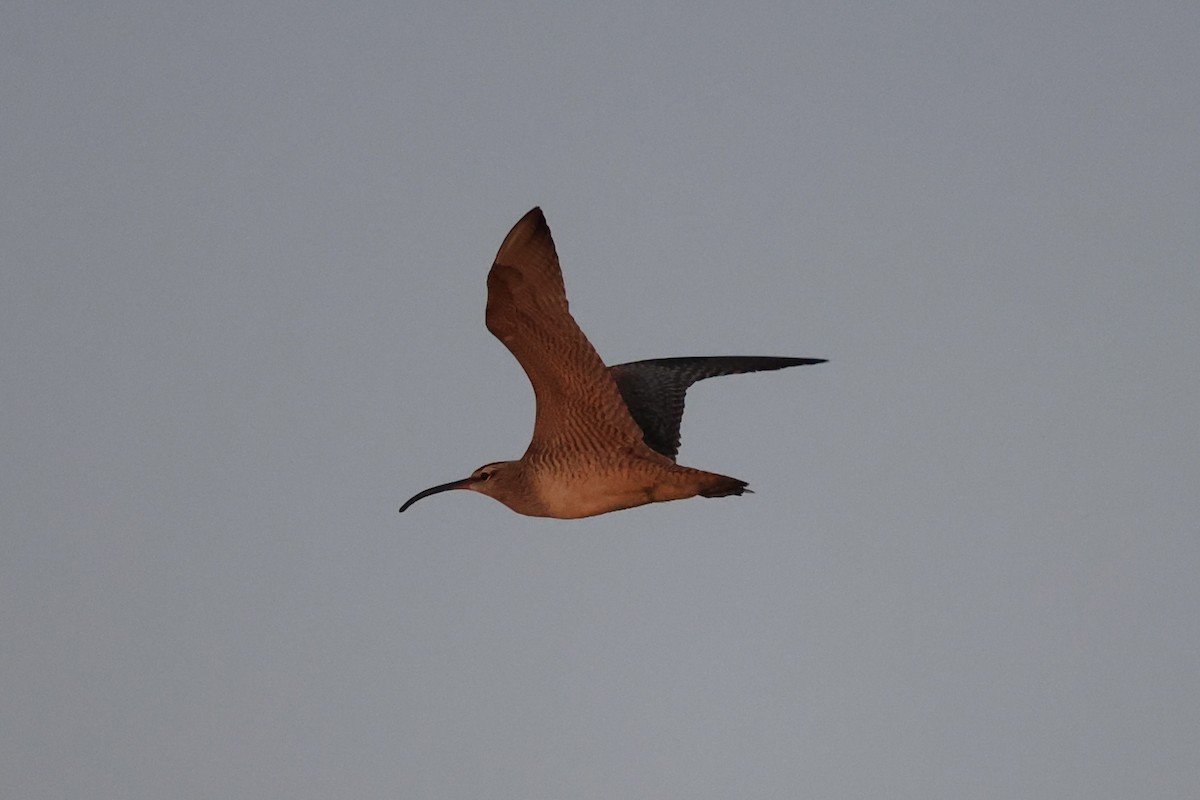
244, 249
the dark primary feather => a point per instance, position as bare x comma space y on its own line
654, 389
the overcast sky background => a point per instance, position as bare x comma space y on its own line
244, 254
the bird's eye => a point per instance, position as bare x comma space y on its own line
483, 476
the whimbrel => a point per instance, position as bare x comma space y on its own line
604, 438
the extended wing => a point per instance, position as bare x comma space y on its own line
578, 404
654, 389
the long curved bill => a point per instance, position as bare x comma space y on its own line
445, 487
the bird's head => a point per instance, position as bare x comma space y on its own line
503, 480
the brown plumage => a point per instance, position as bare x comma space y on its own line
604, 438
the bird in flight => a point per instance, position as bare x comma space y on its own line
604, 438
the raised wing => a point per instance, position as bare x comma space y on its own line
578, 404
654, 390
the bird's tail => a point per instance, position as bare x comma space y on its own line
724, 486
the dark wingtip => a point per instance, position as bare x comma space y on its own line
529, 228
534, 217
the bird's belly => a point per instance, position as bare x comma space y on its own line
567, 496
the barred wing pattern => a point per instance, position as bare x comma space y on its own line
579, 407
